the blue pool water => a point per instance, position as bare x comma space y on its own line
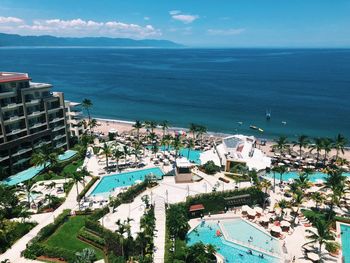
67, 155
294, 175
33, 171
230, 251
262, 240
192, 155
345, 241
108, 183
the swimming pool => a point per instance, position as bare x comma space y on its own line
192, 155
67, 155
294, 175
35, 170
110, 182
345, 241
206, 233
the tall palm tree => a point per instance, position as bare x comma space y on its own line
126, 151
190, 146
201, 130
318, 146
318, 198
322, 234
339, 144
298, 199
28, 186
177, 145
137, 151
117, 154
39, 159
281, 143
165, 125
335, 181
121, 231
302, 142
265, 184
151, 125
193, 129
274, 170
107, 151
92, 124
303, 181
77, 178
166, 141
327, 147
137, 126
87, 104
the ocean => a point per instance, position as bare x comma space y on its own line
308, 89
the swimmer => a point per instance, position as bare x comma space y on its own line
240, 254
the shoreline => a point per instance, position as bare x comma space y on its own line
122, 126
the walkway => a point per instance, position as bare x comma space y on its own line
14, 253
159, 240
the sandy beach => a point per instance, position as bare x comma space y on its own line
105, 125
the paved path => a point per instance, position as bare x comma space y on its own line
159, 240
14, 253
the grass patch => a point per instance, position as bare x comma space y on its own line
66, 237
73, 166
43, 177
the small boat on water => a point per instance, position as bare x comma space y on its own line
268, 114
256, 128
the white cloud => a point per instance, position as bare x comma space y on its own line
226, 32
77, 27
10, 20
184, 18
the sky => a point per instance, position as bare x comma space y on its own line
197, 23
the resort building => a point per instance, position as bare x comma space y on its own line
237, 149
183, 172
30, 116
74, 116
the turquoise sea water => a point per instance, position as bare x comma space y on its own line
230, 251
33, 171
307, 88
345, 242
110, 182
294, 175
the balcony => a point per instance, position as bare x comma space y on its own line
16, 131
55, 109
12, 106
35, 113
40, 144
33, 102
75, 113
58, 128
59, 137
36, 125
13, 119
60, 145
7, 94
57, 119
22, 151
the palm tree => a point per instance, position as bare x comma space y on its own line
166, 140
274, 170
193, 129
77, 178
165, 125
339, 144
265, 184
327, 147
298, 199
303, 180
321, 236
39, 159
150, 125
117, 154
335, 181
137, 126
318, 146
121, 231
281, 170
283, 204
88, 255
137, 150
92, 124
281, 143
28, 186
177, 144
201, 130
126, 151
87, 104
190, 146
318, 198
302, 142
107, 151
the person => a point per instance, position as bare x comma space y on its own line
240, 254
293, 258
284, 244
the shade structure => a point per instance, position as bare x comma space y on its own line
276, 229
285, 224
251, 212
313, 256
245, 208
258, 210
265, 219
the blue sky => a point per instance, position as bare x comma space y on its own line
220, 23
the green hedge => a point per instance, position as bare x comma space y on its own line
215, 202
95, 240
39, 249
87, 187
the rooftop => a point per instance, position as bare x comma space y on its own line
13, 76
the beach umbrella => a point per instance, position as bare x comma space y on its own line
278, 210
276, 229
280, 164
285, 223
265, 219
313, 256
245, 208
258, 210
251, 212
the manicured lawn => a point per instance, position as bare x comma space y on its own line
66, 236
41, 177
72, 167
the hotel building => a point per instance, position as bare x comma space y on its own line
75, 118
30, 116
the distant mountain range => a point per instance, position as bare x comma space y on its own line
11, 40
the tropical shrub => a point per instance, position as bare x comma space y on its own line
177, 220
332, 247
87, 187
210, 168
